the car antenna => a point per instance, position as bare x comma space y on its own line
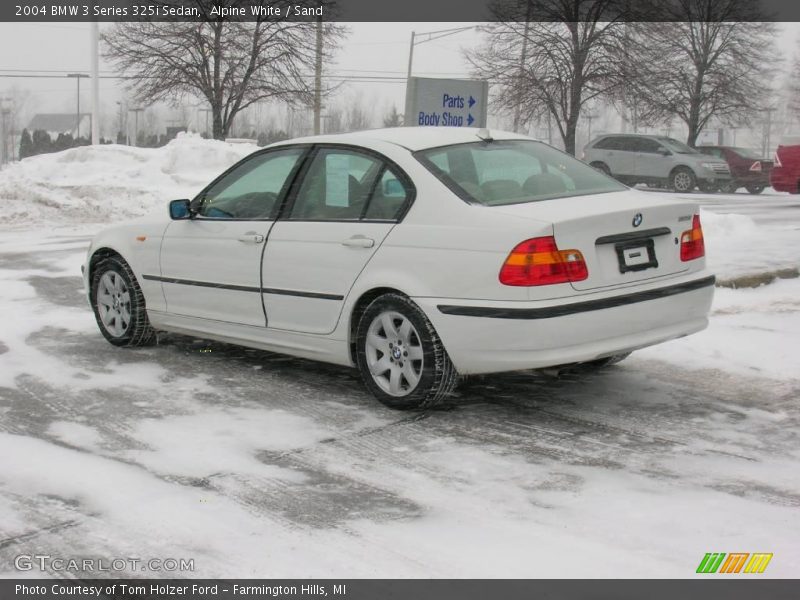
484, 134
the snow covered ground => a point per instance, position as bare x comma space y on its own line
259, 465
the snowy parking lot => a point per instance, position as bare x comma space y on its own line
258, 465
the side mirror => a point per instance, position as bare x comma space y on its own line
179, 209
664, 152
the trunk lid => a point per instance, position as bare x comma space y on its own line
617, 251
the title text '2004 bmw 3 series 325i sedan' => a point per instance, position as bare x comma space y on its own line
414, 254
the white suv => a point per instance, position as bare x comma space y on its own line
656, 160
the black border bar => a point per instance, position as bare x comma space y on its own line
393, 11
562, 310
708, 587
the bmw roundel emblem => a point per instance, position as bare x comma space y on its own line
637, 219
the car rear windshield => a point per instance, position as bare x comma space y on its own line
747, 152
496, 173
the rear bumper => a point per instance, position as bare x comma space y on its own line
487, 337
783, 180
753, 179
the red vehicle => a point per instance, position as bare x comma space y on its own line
748, 169
785, 176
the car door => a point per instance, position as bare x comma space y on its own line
211, 264
621, 156
650, 160
348, 201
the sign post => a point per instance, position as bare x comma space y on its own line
446, 102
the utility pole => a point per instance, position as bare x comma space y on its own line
522, 58
590, 117
95, 83
78, 77
767, 141
549, 128
136, 112
122, 122
318, 79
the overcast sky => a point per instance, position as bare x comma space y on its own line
372, 49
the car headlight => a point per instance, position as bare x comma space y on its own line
709, 165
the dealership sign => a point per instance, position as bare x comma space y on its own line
446, 102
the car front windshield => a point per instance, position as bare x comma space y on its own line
500, 172
676, 146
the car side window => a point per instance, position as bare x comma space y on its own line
388, 199
337, 186
627, 144
250, 190
604, 144
648, 145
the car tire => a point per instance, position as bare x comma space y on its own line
118, 304
729, 187
602, 167
682, 180
418, 372
754, 189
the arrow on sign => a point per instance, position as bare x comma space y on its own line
470, 120
472, 101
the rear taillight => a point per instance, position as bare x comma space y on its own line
777, 162
756, 166
692, 244
538, 261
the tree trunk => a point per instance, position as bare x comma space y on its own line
218, 131
569, 137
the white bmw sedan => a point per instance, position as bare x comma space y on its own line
414, 254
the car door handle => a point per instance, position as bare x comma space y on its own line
359, 241
251, 237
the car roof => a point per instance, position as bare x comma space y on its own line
411, 138
639, 135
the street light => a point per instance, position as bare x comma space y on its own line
431, 35
78, 77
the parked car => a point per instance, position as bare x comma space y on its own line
785, 175
655, 160
414, 254
748, 169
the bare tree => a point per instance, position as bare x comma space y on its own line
555, 65
712, 60
230, 64
358, 117
392, 118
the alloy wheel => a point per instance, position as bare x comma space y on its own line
682, 182
394, 353
114, 303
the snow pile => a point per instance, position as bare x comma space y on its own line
737, 245
94, 184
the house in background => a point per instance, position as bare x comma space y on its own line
57, 123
